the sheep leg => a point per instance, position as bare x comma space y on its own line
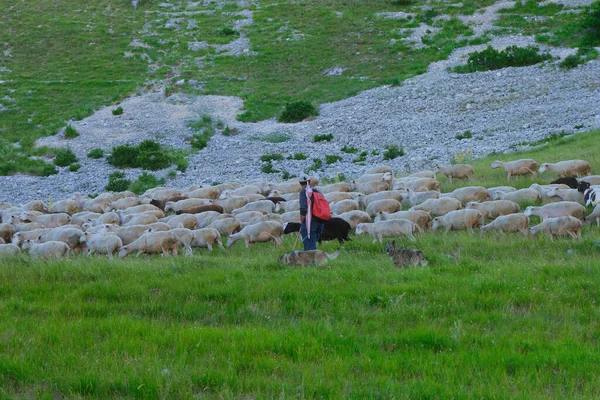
508, 176
209, 245
188, 249
412, 238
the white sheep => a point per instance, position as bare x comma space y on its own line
226, 226
561, 226
518, 196
468, 194
417, 184
232, 203
292, 216
437, 207
559, 209
371, 186
69, 236
65, 206
459, 220
387, 205
35, 205
421, 218
20, 237
526, 166
567, 168
152, 243
182, 221
260, 232
379, 169
566, 194
129, 234
355, 217
263, 206
175, 206
495, 208
206, 237
415, 198
332, 197
457, 171
591, 179
387, 229
125, 203
343, 206
46, 249
203, 193
103, 243
594, 216
9, 249
422, 174
140, 219
335, 187
509, 223
365, 200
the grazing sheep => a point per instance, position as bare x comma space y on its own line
9, 249
379, 169
335, 187
570, 181
591, 179
125, 202
335, 228
182, 221
307, 257
422, 174
459, 220
355, 217
387, 205
545, 197
65, 206
292, 216
200, 209
469, 194
35, 205
186, 237
162, 203
505, 189
371, 186
11, 212
263, 206
594, 216
152, 243
343, 206
206, 237
561, 226
518, 196
283, 188
7, 231
566, 194
495, 208
187, 203
509, 223
53, 220
438, 207
559, 209
378, 177
140, 219
103, 243
97, 205
69, 236
258, 233
415, 198
211, 193
248, 215
226, 226
20, 237
29, 226
288, 206
139, 209
364, 201
421, 218
457, 171
232, 203
332, 197
160, 194
390, 228
46, 249
206, 218
107, 218
417, 184
525, 166
129, 234
567, 168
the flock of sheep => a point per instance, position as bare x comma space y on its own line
162, 220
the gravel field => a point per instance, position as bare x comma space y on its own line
501, 109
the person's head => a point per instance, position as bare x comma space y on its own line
303, 180
313, 181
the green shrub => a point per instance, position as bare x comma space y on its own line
71, 132
64, 157
297, 111
316, 165
124, 156
362, 157
466, 135
271, 157
267, 168
230, 131
392, 152
349, 150
286, 175
172, 174
74, 167
401, 2
182, 163
591, 25
298, 156
147, 155
48, 169
220, 124
331, 158
117, 182
117, 111
228, 32
570, 62
492, 59
204, 122
200, 140
144, 182
323, 138
95, 153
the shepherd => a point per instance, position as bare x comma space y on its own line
314, 211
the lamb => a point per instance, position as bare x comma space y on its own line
567, 168
458, 220
457, 171
332, 197
35, 205
129, 234
307, 257
364, 201
20, 237
46, 249
103, 243
187, 203
263, 206
355, 217
206, 237
525, 166
125, 202
204, 193
415, 198
288, 206
261, 232
518, 196
421, 218
494, 209
69, 236
387, 205
594, 216
140, 219
371, 187
65, 206
200, 209
417, 184
162, 203
386, 229
184, 220
566, 194
378, 169
343, 206
152, 242
469, 194
9, 249
227, 226
438, 207
232, 203
561, 226
335, 228
509, 223
559, 209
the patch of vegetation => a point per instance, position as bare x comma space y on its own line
74, 167
96, 153
148, 155
462, 157
362, 157
392, 152
228, 32
117, 111
402, 3
271, 157
268, 168
590, 25
230, 131
273, 137
285, 175
172, 174
144, 182
466, 135
315, 166
582, 56
297, 111
332, 159
350, 149
117, 182
328, 137
200, 124
64, 157
492, 59
298, 156
70, 132
200, 140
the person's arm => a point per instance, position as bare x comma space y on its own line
303, 205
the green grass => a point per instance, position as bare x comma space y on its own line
492, 316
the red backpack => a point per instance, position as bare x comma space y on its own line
320, 207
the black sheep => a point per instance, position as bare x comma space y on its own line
570, 181
335, 228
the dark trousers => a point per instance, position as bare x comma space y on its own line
316, 228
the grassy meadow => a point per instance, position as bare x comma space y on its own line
492, 316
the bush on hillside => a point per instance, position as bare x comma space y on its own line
297, 111
96, 153
591, 25
117, 182
71, 132
513, 56
147, 155
64, 157
144, 182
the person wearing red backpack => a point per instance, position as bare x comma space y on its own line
311, 226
